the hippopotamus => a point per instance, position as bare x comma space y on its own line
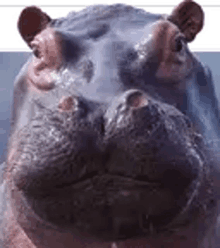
108, 147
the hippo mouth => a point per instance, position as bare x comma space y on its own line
129, 182
115, 207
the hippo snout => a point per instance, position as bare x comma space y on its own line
135, 153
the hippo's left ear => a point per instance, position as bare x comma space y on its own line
189, 17
31, 21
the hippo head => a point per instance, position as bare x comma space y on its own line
101, 141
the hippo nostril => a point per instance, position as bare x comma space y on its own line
66, 103
136, 99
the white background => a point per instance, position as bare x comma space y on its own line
10, 40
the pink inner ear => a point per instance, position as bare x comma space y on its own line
136, 100
31, 21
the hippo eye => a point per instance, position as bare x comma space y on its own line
179, 43
36, 52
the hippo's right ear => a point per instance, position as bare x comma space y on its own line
189, 17
32, 21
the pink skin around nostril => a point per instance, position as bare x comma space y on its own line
66, 103
137, 100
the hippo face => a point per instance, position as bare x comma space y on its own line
101, 143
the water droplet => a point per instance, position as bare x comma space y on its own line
114, 245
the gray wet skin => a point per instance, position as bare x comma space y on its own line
103, 145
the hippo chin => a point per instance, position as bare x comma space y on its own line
104, 147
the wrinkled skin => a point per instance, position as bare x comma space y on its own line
105, 150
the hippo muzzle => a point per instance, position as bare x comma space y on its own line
105, 146
119, 171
